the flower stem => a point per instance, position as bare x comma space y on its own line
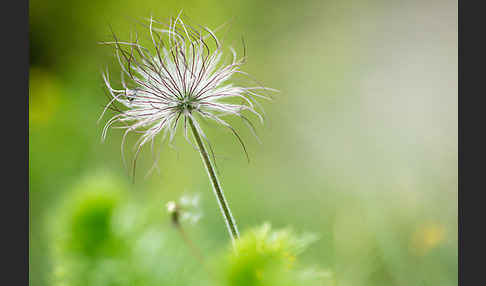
218, 191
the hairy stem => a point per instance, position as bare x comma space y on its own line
218, 191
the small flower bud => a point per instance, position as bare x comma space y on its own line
173, 210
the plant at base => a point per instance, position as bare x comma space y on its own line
263, 257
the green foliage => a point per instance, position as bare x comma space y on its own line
266, 257
84, 221
103, 236
82, 231
90, 224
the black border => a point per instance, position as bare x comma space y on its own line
471, 78
14, 208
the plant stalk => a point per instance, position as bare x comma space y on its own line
218, 191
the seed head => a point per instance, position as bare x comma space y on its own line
182, 76
187, 209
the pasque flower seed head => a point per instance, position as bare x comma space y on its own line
182, 77
179, 77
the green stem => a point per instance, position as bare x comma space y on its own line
218, 191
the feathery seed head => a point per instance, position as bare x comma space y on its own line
186, 209
182, 76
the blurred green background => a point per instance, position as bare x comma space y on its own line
359, 148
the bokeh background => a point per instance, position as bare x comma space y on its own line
359, 148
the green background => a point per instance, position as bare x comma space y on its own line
359, 147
